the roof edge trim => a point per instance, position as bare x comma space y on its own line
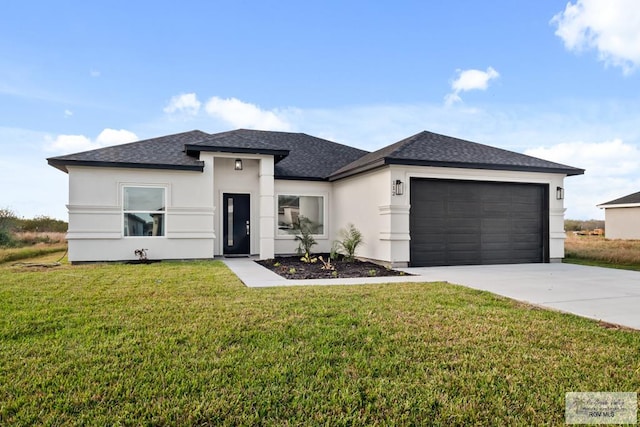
618, 205
516, 168
240, 150
62, 165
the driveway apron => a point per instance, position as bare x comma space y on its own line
606, 294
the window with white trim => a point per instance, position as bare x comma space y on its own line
144, 211
292, 207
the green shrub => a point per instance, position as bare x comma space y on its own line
351, 239
304, 230
43, 223
6, 240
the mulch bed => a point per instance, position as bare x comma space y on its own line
291, 267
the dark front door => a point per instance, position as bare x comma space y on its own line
237, 228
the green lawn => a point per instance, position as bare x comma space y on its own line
187, 343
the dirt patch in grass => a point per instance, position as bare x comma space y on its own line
292, 267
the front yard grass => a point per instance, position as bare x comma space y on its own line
185, 343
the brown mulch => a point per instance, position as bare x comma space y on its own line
292, 267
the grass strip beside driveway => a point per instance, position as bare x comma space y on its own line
187, 343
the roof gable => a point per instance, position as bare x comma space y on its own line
432, 149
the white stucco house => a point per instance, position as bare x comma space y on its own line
622, 217
426, 200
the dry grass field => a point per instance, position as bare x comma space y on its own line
625, 253
31, 237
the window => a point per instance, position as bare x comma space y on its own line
144, 211
291, 208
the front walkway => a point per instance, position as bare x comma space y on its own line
603, 294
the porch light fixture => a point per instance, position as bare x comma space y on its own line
238, 165
398, 188
559, 193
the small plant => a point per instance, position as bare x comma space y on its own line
334, 274
141, 254
372, 272
333, 254
304, 230
292, 270
351, 239
276, 264
308, 259
326, 265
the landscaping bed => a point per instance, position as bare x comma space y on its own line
292, 267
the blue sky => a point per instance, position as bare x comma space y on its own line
552, 79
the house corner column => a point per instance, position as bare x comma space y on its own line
267, 209
394, 230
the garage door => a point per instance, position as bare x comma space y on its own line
471, 222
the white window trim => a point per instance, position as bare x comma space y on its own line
325, 216
164, 212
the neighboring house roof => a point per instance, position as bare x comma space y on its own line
301, 156
626, 201
432, 149
165, 152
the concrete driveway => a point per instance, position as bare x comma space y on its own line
599, 293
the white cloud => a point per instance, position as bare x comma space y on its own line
611, 172
470, 80
76, 143
68, 113
94, 73
186, 103
245, 115
612, 27
115, 137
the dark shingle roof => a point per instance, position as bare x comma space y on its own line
165, 152
297, 155
301, 156
432, 149
626, 200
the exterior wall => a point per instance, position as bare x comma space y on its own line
365, 201
96, 215
622, 223
285, 244
193, 224
368, 201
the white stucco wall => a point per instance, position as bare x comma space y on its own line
622, 223
193, 223
362, 200
96, 215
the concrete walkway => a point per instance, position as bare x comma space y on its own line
599, 293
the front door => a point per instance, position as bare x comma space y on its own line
237, 227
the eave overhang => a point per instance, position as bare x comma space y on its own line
278, 155
462, 165
62, 165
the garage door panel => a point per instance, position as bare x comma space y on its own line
476, 222
499, 210
463, 209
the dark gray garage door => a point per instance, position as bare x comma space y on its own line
471, 222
